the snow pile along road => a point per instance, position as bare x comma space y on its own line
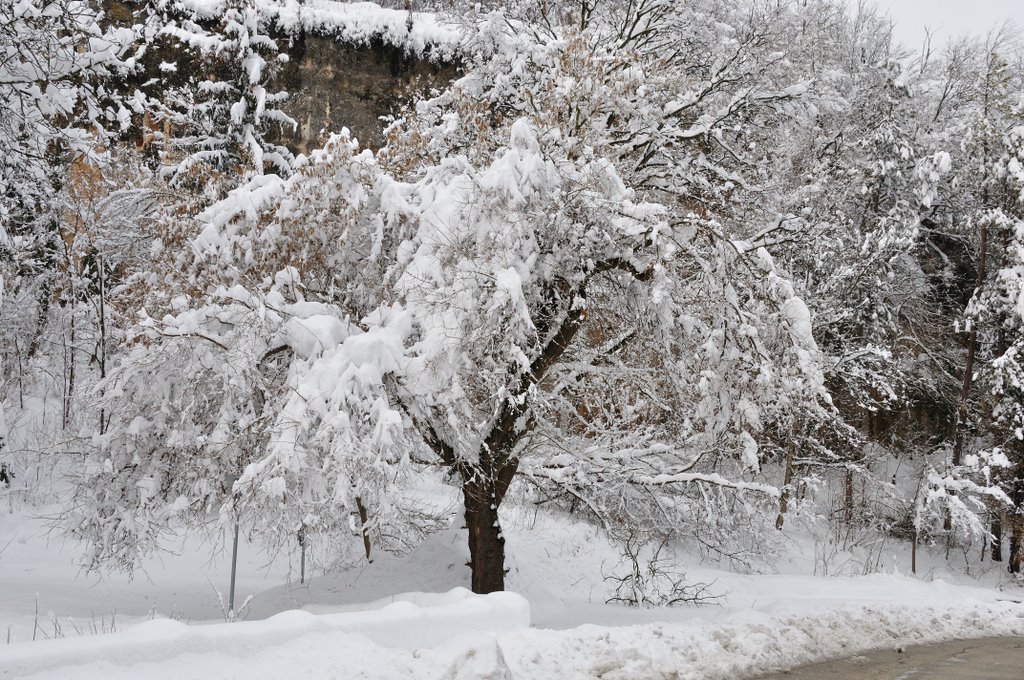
463, 637
276, 647
750, 644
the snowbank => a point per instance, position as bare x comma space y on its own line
751, 644
483, 638
167, 643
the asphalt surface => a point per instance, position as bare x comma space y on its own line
982, 659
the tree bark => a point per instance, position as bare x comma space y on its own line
483, 489
787, 479
363, 519
996, 529
1015, 516
69, 361
848, 497
1016, 548
913, 554
101, 348
486, 542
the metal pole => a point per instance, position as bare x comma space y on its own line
234, 567
229, 483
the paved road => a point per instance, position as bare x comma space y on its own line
984, 659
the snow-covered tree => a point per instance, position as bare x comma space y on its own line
547, 277
196, 398
216, 118
61, 111
56, 100
57, 108
854, 191
997, 309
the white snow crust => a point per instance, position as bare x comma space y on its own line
355, 22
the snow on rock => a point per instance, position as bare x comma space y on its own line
165, 643
361, 22
355, 22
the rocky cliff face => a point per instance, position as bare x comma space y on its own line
349, 63
334, 84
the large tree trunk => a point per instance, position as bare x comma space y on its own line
486, 543
483, 489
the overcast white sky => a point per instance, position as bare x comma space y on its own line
949, 18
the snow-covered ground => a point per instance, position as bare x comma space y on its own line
358, 624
